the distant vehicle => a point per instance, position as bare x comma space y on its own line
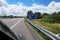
7, 34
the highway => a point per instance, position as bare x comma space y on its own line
18, 25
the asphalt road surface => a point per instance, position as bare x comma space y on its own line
18, 25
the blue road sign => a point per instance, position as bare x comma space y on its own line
32, 16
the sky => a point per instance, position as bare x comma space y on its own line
30, 2
20, 7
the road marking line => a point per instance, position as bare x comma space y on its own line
15, 24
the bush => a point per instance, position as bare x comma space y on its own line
38, 14
48, 19
54, 18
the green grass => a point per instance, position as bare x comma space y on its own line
53, 27
45, 37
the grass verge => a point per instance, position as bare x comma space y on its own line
53, 27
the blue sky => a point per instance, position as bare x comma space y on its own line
30, 2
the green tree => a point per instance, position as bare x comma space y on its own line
44, 14
56, 16
48, 19
5, 16
38, 15
53, 18
29, 12
10, 16
54, 13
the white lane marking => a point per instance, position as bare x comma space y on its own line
15, 24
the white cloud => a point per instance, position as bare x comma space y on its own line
3, 3
53, 7
37, 8
21, 10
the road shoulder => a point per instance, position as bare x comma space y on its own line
34, 33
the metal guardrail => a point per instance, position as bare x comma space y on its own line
48, 33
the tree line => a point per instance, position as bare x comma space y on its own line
45, 17
11, 16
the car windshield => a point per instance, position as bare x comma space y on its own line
6, 31
23, 17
